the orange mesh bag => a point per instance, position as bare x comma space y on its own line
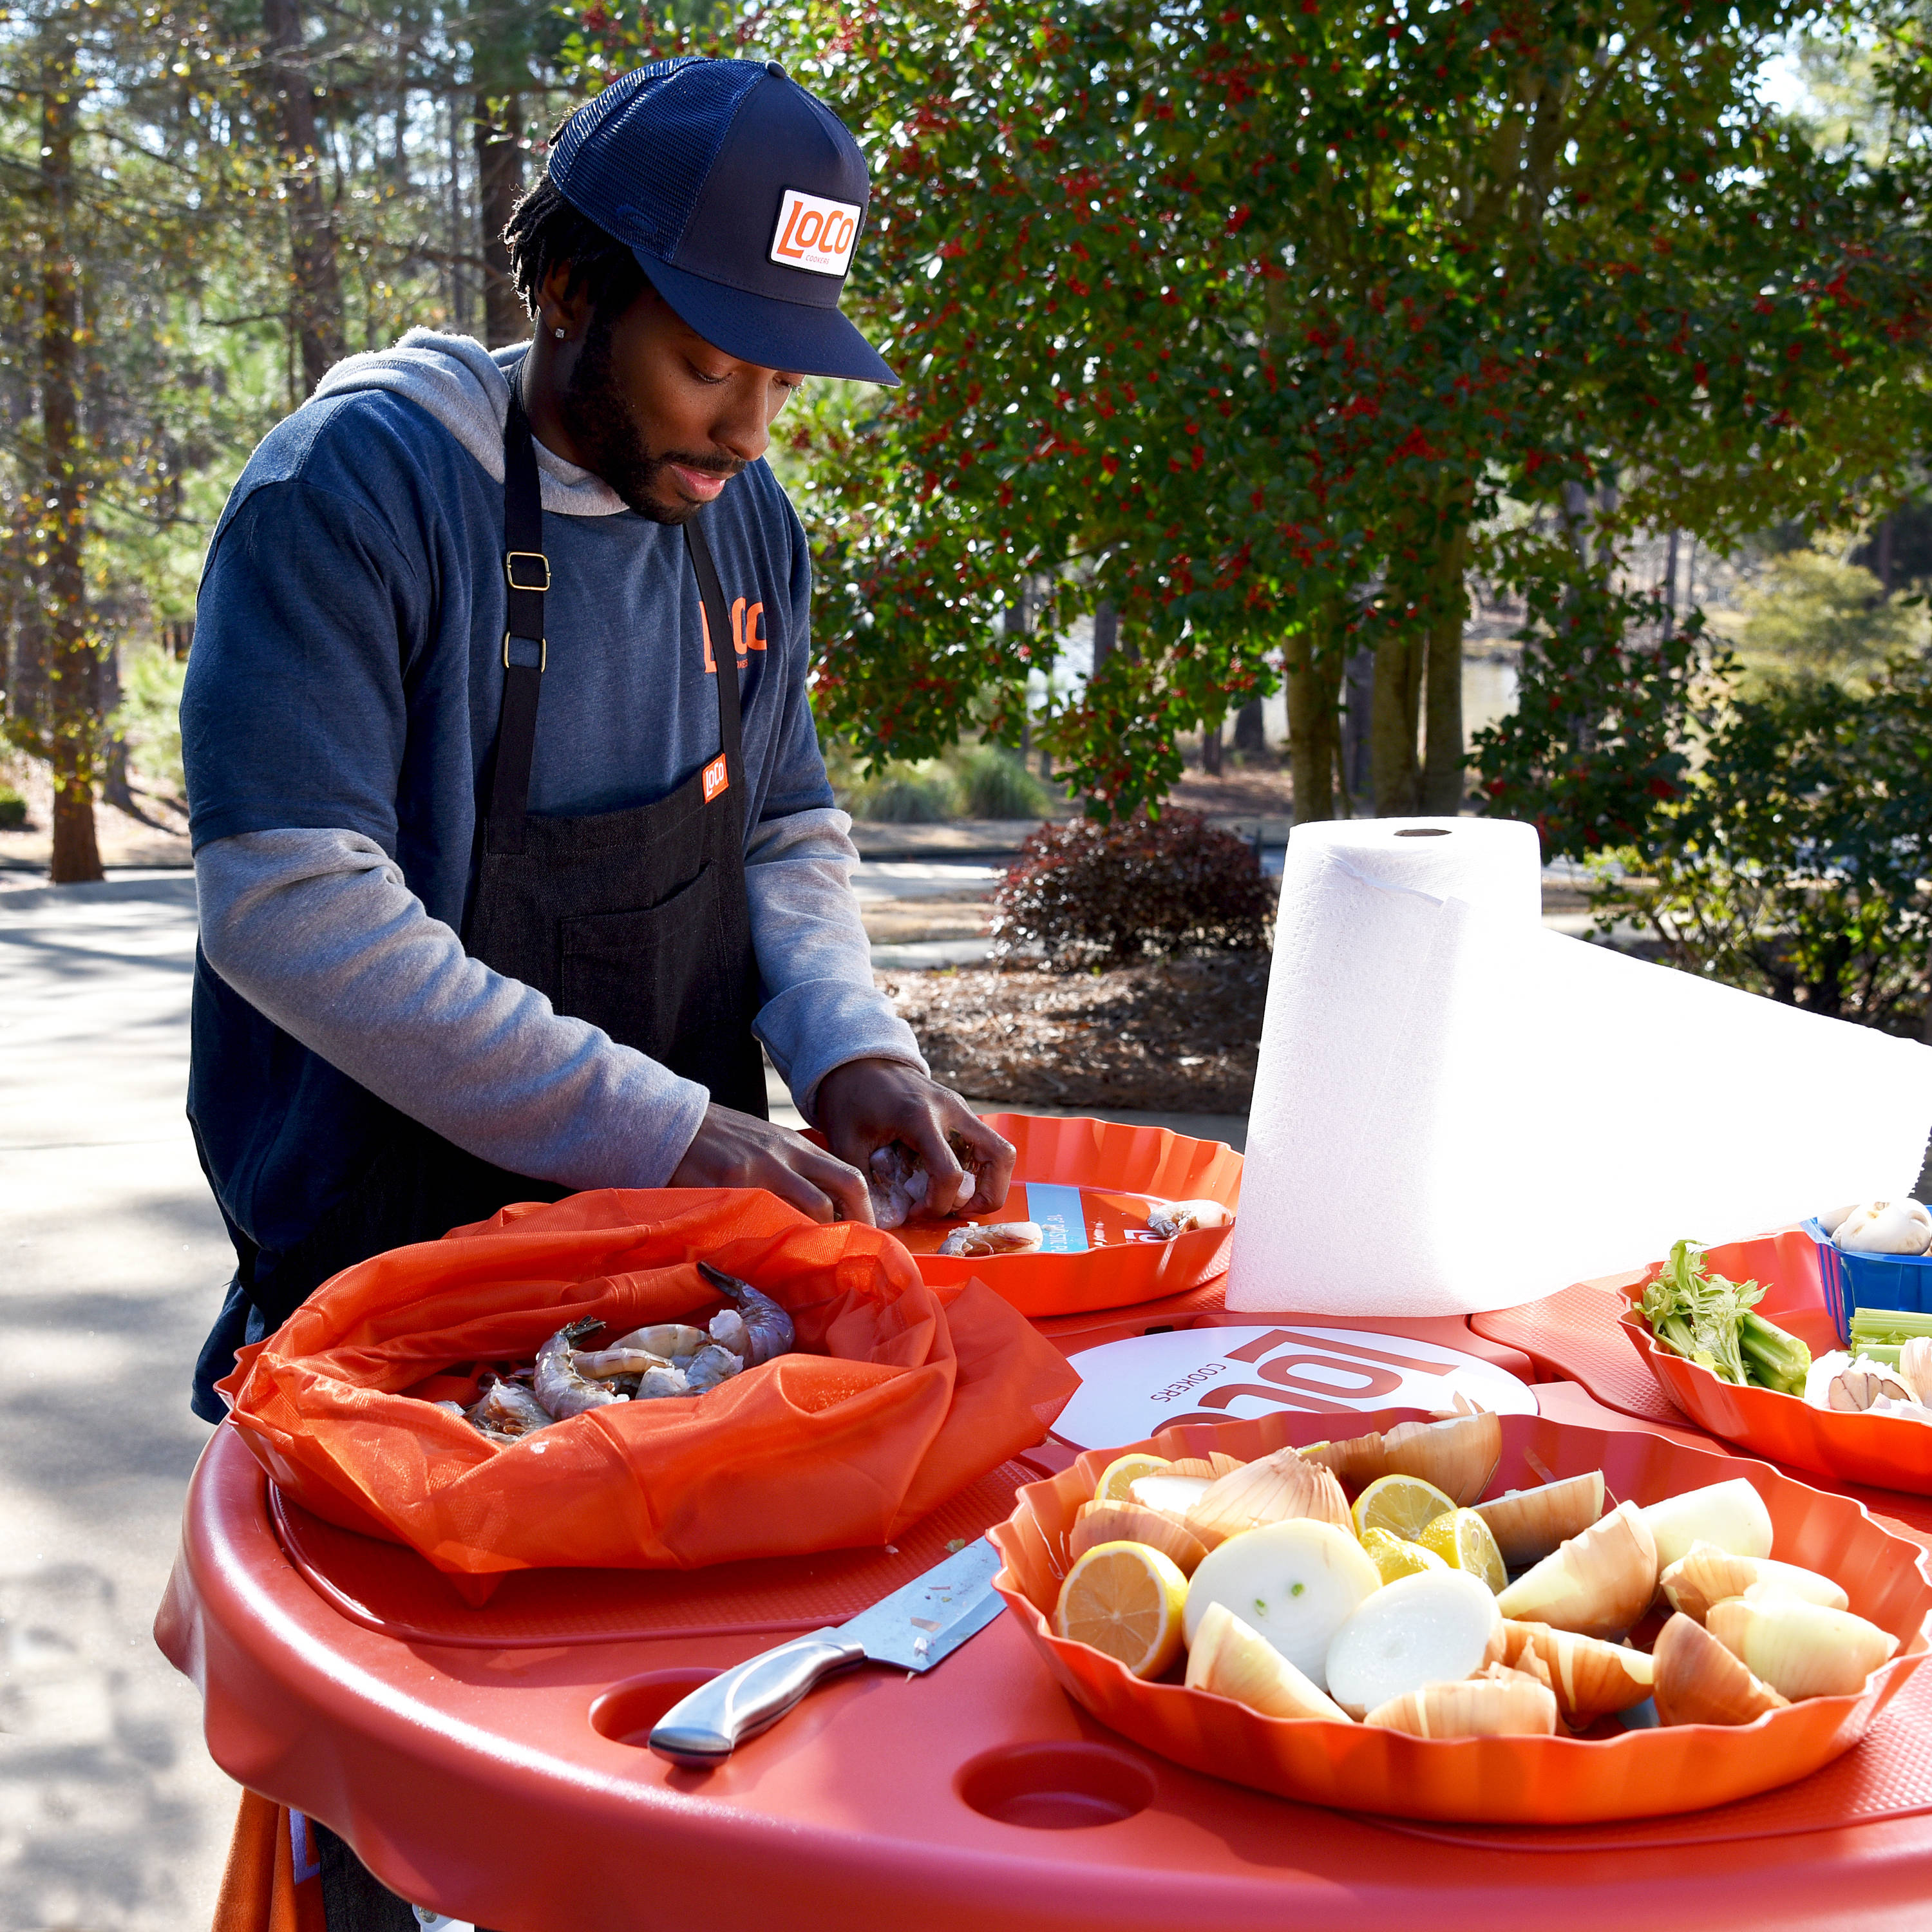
898, 1395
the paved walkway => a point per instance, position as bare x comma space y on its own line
113, 1819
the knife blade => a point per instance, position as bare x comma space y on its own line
916, 1627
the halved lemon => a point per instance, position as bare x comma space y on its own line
1395, 1557
1124, 1600
1465, 1541
1116, 1480
1404, 1506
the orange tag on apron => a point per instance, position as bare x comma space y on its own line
716, 778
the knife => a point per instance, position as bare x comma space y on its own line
914, 1628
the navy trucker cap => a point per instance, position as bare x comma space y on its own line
741, 197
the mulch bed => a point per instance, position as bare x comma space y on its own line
1175, 1036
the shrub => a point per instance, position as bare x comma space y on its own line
1790, 866
13, 809
905, 801
1087, 894
150, 716
993, 783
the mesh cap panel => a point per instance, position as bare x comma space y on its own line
644, 192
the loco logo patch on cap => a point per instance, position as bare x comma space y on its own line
814, 233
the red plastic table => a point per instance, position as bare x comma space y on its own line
489, 1763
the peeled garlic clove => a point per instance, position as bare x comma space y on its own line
1171, 1494
1707, 1575
1229, 1658
1458, 1456
1800, 1649
1915, 1365
1731, 1515
1433, 1628
1129, 1522
1295, 1582
1509, 1704
1528, 1524
1275, 1489
1598, 1585
1885, 1228
1591, 1678
1358, 1461
1699, 1682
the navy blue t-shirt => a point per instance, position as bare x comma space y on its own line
347, 673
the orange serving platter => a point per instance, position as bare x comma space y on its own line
1492, 1780
1075, 1152
1888, 1451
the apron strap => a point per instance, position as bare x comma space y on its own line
725, 654
526, 571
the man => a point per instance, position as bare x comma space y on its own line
512, 837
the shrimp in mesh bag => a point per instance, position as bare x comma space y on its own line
894, 1396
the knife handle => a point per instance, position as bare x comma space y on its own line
704, 1729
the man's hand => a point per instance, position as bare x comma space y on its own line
868, 1104
734, 1150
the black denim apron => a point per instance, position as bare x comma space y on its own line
635, 920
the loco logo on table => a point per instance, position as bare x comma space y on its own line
1130, 1389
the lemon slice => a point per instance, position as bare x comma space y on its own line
1465, 1541
1394, 1558
1403, 1505
1116, 1480
1125, 1600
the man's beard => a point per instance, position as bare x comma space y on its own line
601, 425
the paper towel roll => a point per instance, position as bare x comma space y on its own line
1455, 1109
1495, 863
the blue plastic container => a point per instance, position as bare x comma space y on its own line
1855, 1281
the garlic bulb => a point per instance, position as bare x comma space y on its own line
1275, 1489
1699, 1682
1458, 1456
1506, 1704
1862, 1384
1915, 1365
1800, 1649
1229, 1658
1707, 1575
1885, 1228
1528, 1524
1133, 1522
1598, 1585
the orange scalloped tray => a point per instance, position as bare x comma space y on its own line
1497, 1781
1891, 1452
1077, 1152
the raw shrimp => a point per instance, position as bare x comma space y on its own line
728, 1331
560, 1388
507, 1410
1168, 1219
980, 1239
601, 1365
664, 1339
902, 1189
662, 1381
768, 1327
709, 1366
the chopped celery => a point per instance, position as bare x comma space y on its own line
1889, 1324
1701, 1316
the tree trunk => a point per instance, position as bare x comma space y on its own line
1251, 730
73, 663
1358, 689
315, 292
1670, 579
499, 185
1314, 679
1394, 776
1443, 759
1211, 747
1106, 634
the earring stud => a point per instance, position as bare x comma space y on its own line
559, 335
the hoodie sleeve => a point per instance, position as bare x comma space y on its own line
317, 931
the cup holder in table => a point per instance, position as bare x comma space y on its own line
1056, 1787
626, 1711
